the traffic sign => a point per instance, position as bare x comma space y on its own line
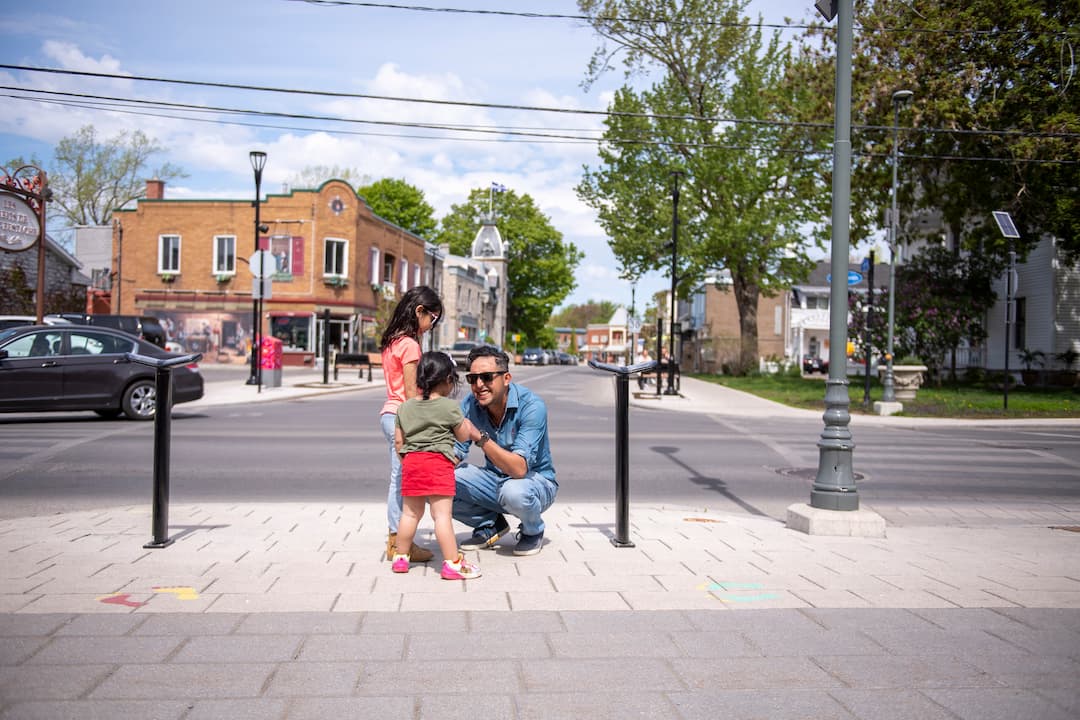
633, 325
853, 277
261, 288
262, 264
865, 265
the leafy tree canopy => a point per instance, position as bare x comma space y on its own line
313, 176
91, 177
578, 316
400, 203
994, 123
746, 188
540, 263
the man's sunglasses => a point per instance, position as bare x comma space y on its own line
487, 377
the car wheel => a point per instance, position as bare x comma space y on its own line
140, 399
108, 414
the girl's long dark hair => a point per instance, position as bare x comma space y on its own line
434, 367
404, 321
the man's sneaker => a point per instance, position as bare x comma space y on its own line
487, 536
401, 564
465, 570
529, 544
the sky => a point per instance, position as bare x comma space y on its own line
393, 52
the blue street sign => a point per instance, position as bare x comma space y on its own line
853, 277
865, 265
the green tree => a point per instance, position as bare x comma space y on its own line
312, 176
578, 316
92, 177
994, 123
941, 300
746, 187
540, 264
400, 203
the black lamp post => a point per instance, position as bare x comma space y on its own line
670, 390
258, 162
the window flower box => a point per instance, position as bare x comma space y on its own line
168, 277
223, 278
336, 281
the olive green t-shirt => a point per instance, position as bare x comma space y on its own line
428, 425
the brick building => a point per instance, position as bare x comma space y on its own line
184, 261
710, 327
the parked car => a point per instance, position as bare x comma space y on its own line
74, 367
813, 363
460, 352
565, 358
144, 327
534, 356
10, 321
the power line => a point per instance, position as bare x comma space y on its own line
122, 106
525, 108
672, 21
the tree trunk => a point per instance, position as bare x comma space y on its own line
746, 300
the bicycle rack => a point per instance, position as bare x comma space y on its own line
622, 444
162, 439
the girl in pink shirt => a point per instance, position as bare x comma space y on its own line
416, 314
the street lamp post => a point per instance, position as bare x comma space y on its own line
258, 162
675, 174
899, 98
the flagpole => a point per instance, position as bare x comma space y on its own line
491, 201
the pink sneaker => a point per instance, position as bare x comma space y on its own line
401, 564
465, 570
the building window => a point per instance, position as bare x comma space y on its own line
374, 266
336, 252
403, 276
417, 275
281, 249
168, 254
224, 254
388, 268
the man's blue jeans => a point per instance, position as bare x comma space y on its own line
482, 495
393, 493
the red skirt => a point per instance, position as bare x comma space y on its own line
427, 473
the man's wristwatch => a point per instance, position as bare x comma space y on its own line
484, 437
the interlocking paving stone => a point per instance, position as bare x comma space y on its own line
299, 623
584, 675
246, 709
370, 646
239, 648
763, 704
173, 681
15, 650
595, 705
884, 704
479, 646
101, 625
188, 625
909, 671
420, 677
744, 673
314, 679
997, 704
97, 710
118, 650
360, 707
50, 682
613, 645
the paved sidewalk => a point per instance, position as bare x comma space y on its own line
290, 611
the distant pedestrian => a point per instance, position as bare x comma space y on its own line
427, 427
416, 313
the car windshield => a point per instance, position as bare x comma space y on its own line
5, 334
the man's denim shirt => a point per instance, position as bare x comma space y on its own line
524, 430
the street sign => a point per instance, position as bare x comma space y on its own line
865, 267
853, 277
633, 325
261, 288
19, 226
262, 264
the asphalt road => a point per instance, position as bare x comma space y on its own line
330, 449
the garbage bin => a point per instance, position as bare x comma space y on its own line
270, 361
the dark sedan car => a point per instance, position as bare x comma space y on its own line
76, 367
813, 363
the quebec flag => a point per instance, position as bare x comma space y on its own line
497, 187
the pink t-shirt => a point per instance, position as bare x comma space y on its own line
400, 352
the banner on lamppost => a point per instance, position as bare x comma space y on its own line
19, 226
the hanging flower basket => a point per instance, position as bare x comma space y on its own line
168, 278
223, 278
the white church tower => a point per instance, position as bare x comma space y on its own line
489, 249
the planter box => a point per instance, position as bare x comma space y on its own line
907, 379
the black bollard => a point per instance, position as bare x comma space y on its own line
622, 445
162, 439
326, 347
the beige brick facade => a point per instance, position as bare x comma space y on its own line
207, 300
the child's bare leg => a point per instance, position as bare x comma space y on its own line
412, 509
442, 507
